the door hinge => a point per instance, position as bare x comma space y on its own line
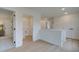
14, 42
14, 28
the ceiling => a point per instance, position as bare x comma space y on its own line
55, 11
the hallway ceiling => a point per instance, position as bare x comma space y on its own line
55, 11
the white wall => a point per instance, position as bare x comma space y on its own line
52, 36
66, 23
36, 26
20, 12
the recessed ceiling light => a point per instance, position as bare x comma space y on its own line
65, 13
63, 9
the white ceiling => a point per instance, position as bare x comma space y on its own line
55, 11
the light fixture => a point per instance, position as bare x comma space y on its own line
62, 9
65, 13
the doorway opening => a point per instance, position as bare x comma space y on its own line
6, 29
27, 28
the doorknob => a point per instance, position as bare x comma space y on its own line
70, 28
